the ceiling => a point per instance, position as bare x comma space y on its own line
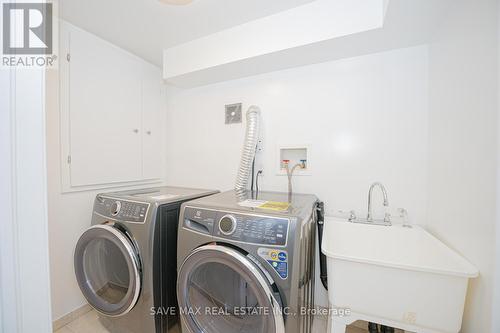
146, 27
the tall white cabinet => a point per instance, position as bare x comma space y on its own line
112, 114
153, 103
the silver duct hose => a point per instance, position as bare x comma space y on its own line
249, 147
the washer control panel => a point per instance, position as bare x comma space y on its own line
123, 210
252, 229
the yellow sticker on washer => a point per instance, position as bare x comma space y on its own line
275, 205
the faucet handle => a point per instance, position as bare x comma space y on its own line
403, 213
352, 216
387, 217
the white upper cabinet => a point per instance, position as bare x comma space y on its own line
105, 112
153, 98
112, 113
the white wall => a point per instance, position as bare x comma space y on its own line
496, 295
463, 145
364, 118
8, 318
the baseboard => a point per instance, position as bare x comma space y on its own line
68, 318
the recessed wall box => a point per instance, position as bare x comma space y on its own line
292, 155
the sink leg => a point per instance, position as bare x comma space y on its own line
337, 327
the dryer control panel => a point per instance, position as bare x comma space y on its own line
253, 229
200, 220
122, 210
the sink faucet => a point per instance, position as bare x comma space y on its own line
369, 218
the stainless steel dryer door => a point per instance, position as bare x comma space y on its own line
220, 290
107, 269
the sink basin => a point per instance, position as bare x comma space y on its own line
399, 276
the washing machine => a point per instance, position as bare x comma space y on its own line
246, 264
125, 263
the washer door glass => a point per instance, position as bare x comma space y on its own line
107, 270
221, 290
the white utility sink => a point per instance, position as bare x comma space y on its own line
398, 276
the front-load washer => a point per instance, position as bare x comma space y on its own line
247, 265
125, 263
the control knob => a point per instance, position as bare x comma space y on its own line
227, 225
115, 208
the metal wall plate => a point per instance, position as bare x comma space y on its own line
233, 113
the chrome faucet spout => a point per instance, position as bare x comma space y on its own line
386, 201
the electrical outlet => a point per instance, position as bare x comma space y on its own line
260, 145
233, 113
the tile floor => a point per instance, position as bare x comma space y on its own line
89, 323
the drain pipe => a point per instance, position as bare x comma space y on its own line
249, 147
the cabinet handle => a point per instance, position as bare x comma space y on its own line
136, 130
148, 132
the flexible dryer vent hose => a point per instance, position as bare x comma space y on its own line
249, 147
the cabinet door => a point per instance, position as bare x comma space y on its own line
153, 104
105, 112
